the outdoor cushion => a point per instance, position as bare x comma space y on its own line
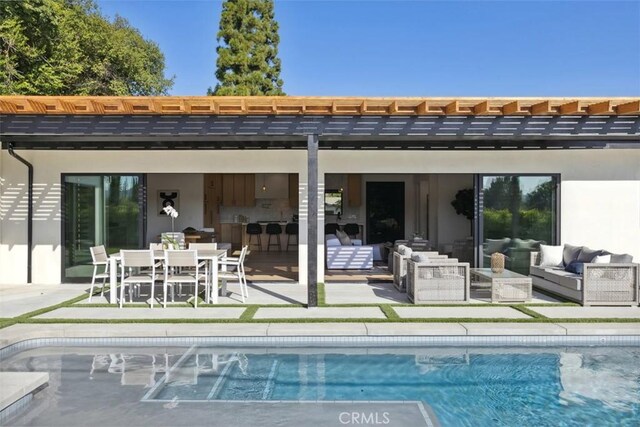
621, 259
570, 253
550, 256
536, 270
525, 244
405, 250
576, 267
495, 245
564, 278
587, 255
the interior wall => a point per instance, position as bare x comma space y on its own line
445, 224
191, 202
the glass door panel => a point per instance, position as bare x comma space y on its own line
517, 214
99, 210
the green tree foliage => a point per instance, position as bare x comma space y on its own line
248, 62
67, 47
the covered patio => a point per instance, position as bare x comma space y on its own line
313, 138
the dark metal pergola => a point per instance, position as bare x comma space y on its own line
317, 132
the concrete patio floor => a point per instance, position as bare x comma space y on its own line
335, 293
20, 299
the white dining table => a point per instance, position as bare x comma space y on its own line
212, 256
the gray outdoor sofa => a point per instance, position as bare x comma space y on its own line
614, 283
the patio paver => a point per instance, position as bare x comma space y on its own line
16, 300
144, 313
476, 312
573, 312
320, 313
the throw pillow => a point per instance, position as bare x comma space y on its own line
575, 266
344, 238
602, 259
587, 255
419, 257
621, 259
570, 253
551, 256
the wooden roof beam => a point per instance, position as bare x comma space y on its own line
512, 107
481, 108
452, 108
572, 107
543, 107
600, 108
632, 107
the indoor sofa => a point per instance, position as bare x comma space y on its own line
347, 254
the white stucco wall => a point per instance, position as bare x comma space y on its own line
600, 191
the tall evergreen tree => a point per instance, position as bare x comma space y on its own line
248, 62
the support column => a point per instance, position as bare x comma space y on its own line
312, 215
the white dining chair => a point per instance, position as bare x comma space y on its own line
236, 272
203, 246
99, 259
182, 266
137, 267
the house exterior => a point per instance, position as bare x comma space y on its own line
583, 151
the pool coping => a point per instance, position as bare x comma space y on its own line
326, 332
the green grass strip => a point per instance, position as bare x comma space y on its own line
389, 312
6, 323
322, 296
249, 312
527, 311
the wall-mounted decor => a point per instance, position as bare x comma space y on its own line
168, 198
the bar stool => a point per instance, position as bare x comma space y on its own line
331, 228
274, 229
255, 229
352, 230
292, 230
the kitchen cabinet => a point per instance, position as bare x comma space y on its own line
212, 199
271, 186
293, 190
354, 190
238, 189
231, 233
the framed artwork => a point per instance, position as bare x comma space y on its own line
168, 198
333, 202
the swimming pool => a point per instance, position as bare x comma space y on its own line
450, 386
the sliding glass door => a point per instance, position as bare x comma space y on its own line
100, 210
516, 214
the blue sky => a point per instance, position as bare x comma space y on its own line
416, 48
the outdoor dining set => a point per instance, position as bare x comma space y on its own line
172, 265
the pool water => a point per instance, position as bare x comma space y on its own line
456, 386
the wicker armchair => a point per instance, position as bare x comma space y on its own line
434, 282
400, 267
599, 284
